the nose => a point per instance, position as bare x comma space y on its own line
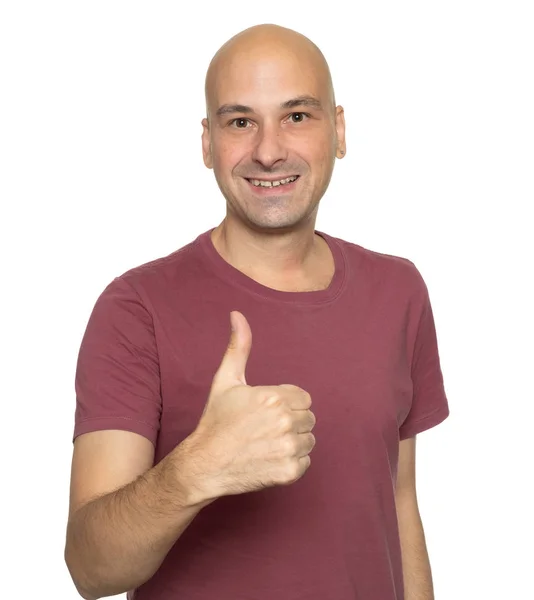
269, 146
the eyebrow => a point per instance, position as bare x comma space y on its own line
309, 101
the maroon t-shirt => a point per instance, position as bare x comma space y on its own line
364, 348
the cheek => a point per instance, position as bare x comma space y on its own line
322, 162
317, 149
225, 157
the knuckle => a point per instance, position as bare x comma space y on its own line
290, 445
289, 473
285, 423
297, 469
293, 471
273, 399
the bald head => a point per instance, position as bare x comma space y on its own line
272, 132
259, 55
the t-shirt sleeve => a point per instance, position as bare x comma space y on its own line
429, 402
117, 375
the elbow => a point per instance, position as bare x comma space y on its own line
85, 594
89, 582
79, 580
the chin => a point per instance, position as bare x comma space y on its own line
275, 221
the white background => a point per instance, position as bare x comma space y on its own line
101, 170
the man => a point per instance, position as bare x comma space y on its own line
192, 475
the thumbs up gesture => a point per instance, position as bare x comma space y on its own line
249, 438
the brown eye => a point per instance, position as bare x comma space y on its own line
298, 117
240, 123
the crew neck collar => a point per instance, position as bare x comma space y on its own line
233, 276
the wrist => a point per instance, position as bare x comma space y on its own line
189, 467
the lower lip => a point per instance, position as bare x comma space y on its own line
273, 191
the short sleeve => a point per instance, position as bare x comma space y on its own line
117, 375
429, 402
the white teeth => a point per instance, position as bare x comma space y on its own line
259, 183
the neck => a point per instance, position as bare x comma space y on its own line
273, 255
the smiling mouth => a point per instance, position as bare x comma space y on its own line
274, 183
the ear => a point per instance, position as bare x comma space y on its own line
341, 148
206, 144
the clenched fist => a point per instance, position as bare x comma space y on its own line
249, 438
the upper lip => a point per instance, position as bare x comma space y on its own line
273, 179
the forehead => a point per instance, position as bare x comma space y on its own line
259, 80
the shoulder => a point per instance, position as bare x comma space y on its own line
160, 276
164, 267
383, 269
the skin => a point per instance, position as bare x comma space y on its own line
262, 68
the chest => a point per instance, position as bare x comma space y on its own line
356, 370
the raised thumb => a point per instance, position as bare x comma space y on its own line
232, 368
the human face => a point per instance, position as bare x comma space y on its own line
272, 119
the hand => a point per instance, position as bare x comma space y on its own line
249, 438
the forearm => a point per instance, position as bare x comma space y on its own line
415, 561
118, 541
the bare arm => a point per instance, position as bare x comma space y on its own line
415, 562
124, 515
